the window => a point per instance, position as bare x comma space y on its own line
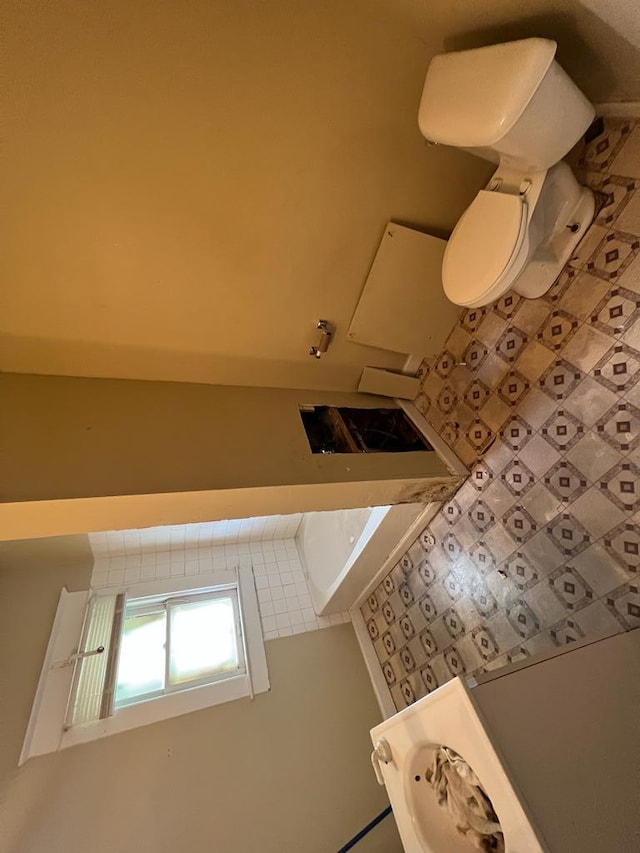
137, 649
120, 660
178, 642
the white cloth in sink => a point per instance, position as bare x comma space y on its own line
458, 788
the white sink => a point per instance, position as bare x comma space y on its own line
446, 717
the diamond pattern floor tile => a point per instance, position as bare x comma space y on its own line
540, 547
582, 297
600, 153
617, 310
617, 191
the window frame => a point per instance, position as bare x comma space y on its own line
165, 603
46, 730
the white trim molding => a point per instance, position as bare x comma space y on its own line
382, 692
440, 446
618, 109
46, 721
380, 688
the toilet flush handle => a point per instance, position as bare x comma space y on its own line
381, 752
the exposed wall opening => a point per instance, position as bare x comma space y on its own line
333, 429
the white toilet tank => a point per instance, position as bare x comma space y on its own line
506, 102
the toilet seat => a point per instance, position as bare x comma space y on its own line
488, 245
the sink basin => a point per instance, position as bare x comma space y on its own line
446, 717
431, 822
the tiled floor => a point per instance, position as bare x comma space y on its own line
541, 398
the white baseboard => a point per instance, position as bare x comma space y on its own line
412, 364
383, 695
619, 109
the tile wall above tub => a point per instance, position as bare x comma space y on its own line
126, 558
116, 543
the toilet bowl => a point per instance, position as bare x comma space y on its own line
511, 104
512, 241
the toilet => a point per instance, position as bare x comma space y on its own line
511, 104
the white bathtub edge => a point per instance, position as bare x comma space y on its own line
380, 689
413, 531
383, 539
376, 518
378, 514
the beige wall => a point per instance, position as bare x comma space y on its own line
621, 16
64, 438
598, 40
193, 185
287, 772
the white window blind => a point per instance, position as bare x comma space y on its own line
92, 695
147, 648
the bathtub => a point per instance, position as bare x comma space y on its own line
342, 551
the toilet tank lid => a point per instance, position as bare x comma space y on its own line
472, 98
